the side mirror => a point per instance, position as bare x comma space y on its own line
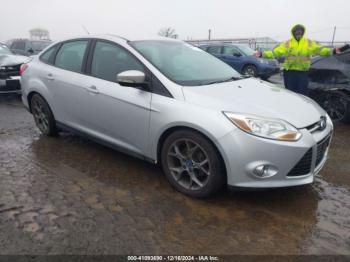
132, 78
237, 54
31, 51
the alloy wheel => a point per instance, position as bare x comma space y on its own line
336, 106
250, 71
188, 164
40, 116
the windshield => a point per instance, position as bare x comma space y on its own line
4, 50
246, 50
39, 45
184, 64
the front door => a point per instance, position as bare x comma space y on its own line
232, 56
115, 113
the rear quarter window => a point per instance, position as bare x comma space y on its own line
71, 55
48, 55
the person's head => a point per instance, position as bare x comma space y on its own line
298, 31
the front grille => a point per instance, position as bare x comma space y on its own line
321, 149
303, 167
318, 126
312, 128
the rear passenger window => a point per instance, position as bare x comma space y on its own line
19, 45
109, 60
71, 55
45, 57
214, 49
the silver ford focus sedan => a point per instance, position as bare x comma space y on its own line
169, 102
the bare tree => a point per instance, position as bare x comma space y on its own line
168, 32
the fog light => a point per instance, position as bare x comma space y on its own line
264, 171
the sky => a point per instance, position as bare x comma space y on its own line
190, 18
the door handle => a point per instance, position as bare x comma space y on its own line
50, 77
93, 89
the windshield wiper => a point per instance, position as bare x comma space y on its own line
245, 76
232, 78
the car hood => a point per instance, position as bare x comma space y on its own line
11, 60
253, 96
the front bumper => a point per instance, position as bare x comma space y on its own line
243, 152
268, 70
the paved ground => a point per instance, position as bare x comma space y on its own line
67, 195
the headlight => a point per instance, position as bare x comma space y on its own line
264, 127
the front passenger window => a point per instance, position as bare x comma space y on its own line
71, 55
110, 60
230, 50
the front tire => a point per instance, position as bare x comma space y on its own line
337, 105
192, 164
43, 116
250, 70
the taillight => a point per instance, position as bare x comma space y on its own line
22, 69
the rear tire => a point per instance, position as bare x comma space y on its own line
43, 116
192, 164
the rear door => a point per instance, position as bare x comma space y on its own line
65, 81
214, 50
115, 113
18, 47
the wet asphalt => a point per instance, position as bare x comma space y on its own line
68, 195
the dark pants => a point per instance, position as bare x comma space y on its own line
296, 81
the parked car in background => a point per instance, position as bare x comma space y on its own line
242, 59
10, 70
330, 85
166, 101
27, 47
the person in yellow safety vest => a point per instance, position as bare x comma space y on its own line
297, 52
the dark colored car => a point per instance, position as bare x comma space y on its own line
242, 59
330, 85
27, 47
9, 70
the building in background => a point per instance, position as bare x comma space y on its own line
255, 43
39, 34
262, 43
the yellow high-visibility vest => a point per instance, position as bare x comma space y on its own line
297, 53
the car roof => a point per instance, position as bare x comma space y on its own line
40, 40
117, 38
26, 39
224, 44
